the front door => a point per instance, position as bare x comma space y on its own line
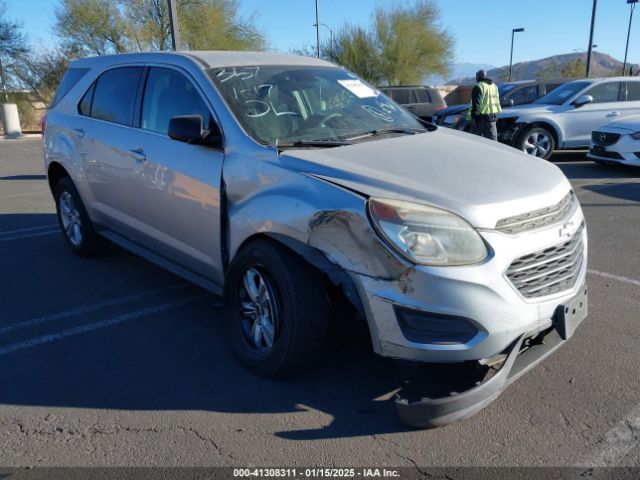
581, 121
176, 186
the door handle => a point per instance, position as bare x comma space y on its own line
79, 132
138, 154
613, 114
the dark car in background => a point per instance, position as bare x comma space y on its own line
420, 100
511, 94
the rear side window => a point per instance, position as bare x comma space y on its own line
69, 80
114, 95
633, 91
422, 95
401, 96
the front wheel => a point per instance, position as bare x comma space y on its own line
276, 309
537, 141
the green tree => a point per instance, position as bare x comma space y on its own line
411, 43
401, 45
99, 27
13, 46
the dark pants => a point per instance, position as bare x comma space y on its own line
485, 127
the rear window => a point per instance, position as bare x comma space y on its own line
114, 95
633, 91
69, 80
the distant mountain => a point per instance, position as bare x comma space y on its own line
602, 65
458, 71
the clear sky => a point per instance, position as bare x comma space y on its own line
482, 28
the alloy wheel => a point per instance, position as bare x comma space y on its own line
537, 143
71, 220
259, 310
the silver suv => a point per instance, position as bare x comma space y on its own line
566, 117
288, 184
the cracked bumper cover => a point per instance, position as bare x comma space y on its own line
435, 412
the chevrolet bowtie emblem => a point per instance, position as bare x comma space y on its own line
566, 230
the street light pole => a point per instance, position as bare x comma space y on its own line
626, 50
173, 21
593, 22
317, 30
513, 32
330, 38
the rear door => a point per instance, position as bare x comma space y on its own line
175, 192
103, 135
581, 121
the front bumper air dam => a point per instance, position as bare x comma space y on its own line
436, 412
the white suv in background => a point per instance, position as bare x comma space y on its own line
566, 117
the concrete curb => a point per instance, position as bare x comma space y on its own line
18, 137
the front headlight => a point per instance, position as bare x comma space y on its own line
427, 235
636, 136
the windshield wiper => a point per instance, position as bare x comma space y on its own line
382, 131
314, 143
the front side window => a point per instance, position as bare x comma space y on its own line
168, 93
563, 93
605, 92
115, 94
293, 103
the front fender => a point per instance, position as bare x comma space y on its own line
276, 201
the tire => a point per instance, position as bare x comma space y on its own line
293, 314
537, 141
76, 226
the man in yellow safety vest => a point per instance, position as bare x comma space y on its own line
484, 107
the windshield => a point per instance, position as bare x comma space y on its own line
293, 104
506, 88
563, 93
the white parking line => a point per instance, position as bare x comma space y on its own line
611, 276
29, 235
54, 337
617, 443
31, 229
89, 308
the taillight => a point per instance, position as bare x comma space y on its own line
441, 107
43, 123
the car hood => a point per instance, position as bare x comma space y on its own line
628, 124
480, 180
531, 109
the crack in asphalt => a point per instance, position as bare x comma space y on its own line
421, 472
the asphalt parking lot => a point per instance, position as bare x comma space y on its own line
113, 361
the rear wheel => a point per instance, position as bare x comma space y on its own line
537, 141
76, 225
276, 310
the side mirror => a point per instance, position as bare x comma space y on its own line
582, 100
188, 129
508, 103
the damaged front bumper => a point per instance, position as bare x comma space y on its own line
521, 356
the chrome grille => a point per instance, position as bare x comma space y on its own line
538, 218
549, 271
